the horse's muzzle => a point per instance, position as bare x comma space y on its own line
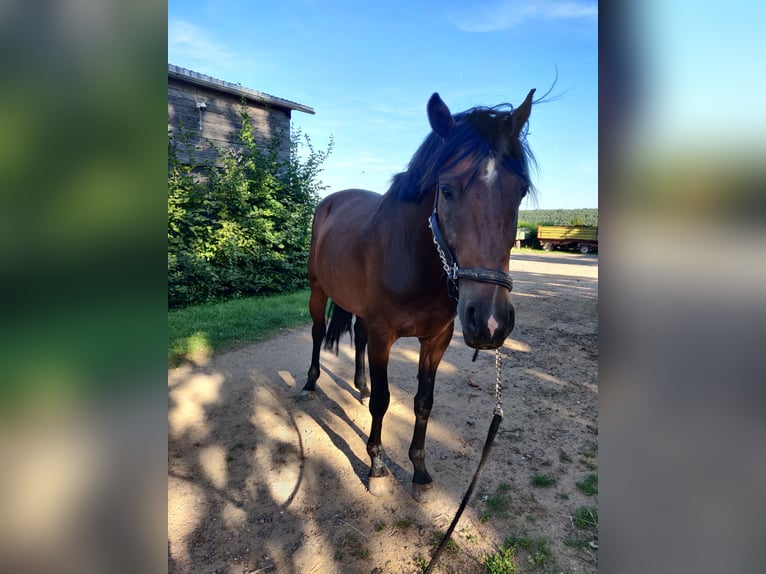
486, 323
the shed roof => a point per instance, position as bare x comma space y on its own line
236, 89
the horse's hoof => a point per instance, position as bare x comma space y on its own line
365, 401
307, 395
423, 493
380, 485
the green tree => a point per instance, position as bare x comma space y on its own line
243, 227
577, 219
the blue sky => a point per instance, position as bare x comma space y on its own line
701, 74
368, 70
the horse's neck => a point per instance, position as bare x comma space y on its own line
405, 225
408, 221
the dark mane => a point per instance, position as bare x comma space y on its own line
478, 132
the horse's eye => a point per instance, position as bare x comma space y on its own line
446, 190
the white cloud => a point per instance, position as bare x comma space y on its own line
192, 46
504, 14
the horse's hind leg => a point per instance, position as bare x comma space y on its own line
431, 353
317, 306
360, 350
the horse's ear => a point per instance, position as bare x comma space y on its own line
439, 116
521, 114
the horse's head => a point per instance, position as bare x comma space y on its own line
482, 178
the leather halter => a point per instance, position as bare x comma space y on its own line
451, 268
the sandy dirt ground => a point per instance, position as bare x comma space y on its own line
263, 480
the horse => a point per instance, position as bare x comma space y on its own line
404, 264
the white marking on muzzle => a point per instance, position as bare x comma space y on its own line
492, 325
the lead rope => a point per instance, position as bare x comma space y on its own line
494, 425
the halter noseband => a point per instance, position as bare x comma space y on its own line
450, 263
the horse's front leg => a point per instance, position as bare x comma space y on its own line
431, 352
378, 349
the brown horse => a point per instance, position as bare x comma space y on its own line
405, 263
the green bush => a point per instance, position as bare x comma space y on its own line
243, 227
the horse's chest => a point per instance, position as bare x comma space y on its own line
406, 331
424, 322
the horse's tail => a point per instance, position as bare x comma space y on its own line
340, 322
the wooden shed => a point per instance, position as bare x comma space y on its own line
210, 110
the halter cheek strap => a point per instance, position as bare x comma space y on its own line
451, 268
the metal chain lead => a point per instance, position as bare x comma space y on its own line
451, 273
498, 385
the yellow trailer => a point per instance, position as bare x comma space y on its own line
584, 239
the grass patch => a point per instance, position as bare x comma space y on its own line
380, 527
542, 480
405, 523
586, 518
352, 548
590, 454
537, 550
202, 330
501, 562
450, 547
496, 504
421, 562
588, 486
591, 451
579, 542
585, 521
505, 560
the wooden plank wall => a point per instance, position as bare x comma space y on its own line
220, 121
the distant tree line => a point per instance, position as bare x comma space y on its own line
531, 218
